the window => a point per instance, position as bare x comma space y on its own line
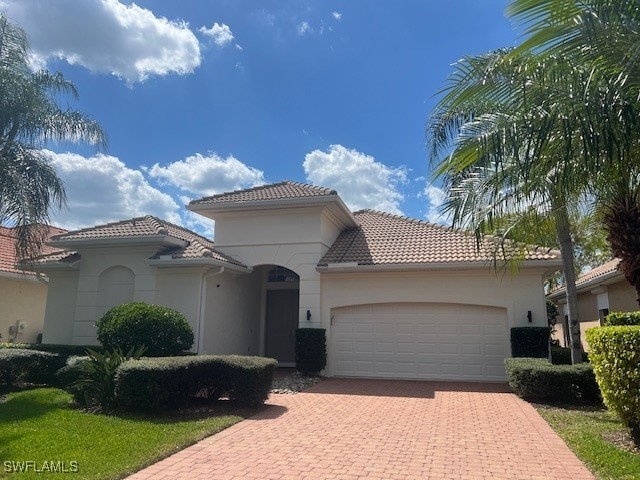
281, 274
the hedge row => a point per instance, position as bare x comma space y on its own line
19, 366
163, 383
537, 379
530, 342
65, 350
615, 355
617, 319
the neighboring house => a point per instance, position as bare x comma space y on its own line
600, 291
23, 294
398, 297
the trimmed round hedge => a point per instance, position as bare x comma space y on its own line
162, 330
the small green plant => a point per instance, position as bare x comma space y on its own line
164, 331
311, 350
615, 355
96, 385
621, 318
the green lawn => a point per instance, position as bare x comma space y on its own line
42, 426
582, 430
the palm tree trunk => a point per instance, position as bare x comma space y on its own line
563, 231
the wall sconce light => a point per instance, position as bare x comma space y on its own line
308, 315
529, 316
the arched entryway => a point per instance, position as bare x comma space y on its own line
281, 313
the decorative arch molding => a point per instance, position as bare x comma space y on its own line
115, 286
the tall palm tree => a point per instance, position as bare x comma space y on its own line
516, 127
30, 118
605, 36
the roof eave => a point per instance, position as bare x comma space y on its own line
210, 209
470, 265
604, 279
27, 275
163, 240
194, 262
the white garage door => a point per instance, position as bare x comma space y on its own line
420, 340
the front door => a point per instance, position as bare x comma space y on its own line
282, 320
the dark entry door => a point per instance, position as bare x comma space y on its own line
282, 320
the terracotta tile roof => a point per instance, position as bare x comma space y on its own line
8, 248
275, 191
383, 238
196, 246
609, 267
593, 274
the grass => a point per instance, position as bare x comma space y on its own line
42, 425
582, 428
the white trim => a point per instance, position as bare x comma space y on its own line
167, 240
355, 267
189, 262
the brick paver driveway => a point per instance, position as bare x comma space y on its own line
377, 429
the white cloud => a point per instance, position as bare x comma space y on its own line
102, 189
303, 28
208, 175
106, 36
436, 197
220, 34
337, 15
359, 180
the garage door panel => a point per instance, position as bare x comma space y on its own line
429, 341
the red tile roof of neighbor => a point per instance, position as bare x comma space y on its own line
196, 246
592, 275
384, 238
275, 191
8, 258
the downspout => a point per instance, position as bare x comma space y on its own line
203, 300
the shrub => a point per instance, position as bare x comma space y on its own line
66, 377
538, 380
162, 330
311, 350
18, 366
96, 382
621, 318
615, 355
562, 356
155, 384
65, 350
530, 342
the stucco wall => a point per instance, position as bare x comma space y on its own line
232, 321
179, 288
517, 294
61, 307
22, 299
622, 297
295, 238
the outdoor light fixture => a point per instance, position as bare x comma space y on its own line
308, 315
529, 316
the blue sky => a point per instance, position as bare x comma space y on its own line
200, 97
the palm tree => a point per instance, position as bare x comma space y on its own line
604, 33
515, 124
605, 36
30, 118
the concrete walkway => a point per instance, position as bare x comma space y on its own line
377, 429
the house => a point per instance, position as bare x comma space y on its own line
23, 294
398, 297
600, 291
